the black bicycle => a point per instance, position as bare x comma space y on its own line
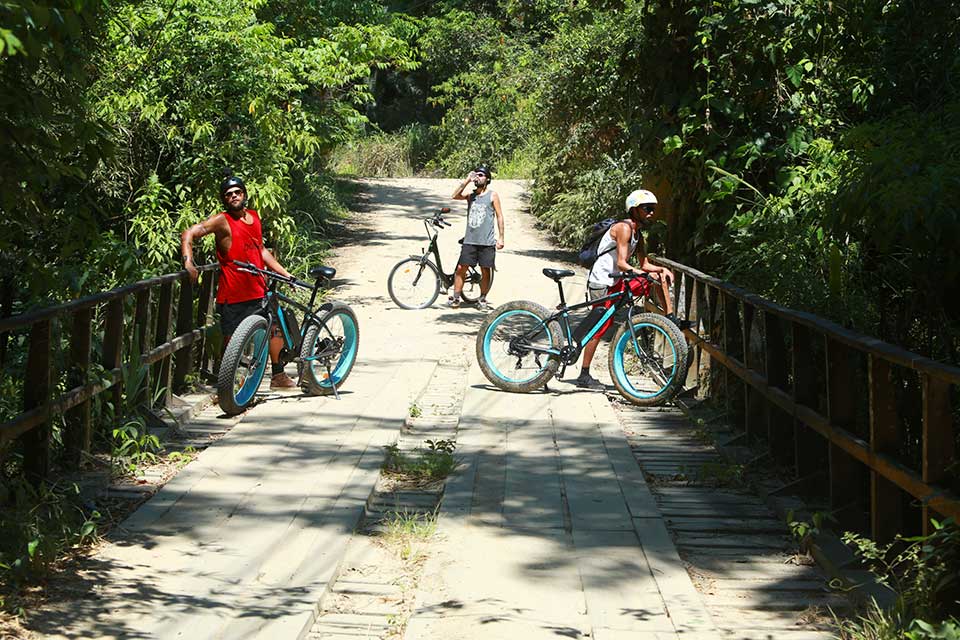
521, 345
324, 344
415, 282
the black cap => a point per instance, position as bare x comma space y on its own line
485, 170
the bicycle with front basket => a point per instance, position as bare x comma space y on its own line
521, 345
324, 344
415, 282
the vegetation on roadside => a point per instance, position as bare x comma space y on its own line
422, 466
921, 572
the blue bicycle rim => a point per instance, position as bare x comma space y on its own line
620, 348
245, 394
486, 344
347, 355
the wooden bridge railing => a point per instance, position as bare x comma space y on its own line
868, 425
60, 342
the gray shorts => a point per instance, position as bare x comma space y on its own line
595, 292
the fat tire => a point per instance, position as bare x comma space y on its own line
309, 384
682, 357
428, 269
553, 362
231, 358
469, 297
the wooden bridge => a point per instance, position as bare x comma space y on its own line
867, 428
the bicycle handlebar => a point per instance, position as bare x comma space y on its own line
250, 268
630, 275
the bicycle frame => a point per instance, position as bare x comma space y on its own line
569, 353
275, 315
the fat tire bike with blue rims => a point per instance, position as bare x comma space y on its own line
324, 345
521, 345
415, 282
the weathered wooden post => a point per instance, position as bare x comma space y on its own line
886, 512
779, 426
183, 359
77, 433
938, 444
161, 369
36, 390
846, 474
113, 349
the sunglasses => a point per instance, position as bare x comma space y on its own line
233, 192
648, 208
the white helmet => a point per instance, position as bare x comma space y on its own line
638, 197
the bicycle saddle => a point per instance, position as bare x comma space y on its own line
557, 274
323, 272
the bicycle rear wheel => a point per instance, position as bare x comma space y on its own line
244, 363
651, 370
503, 346
471, 284
329, 351
414, 283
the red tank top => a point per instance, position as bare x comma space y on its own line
246, 246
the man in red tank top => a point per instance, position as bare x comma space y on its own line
238, 237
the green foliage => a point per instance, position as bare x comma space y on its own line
434, 463
37, 524
400, 154
922, 573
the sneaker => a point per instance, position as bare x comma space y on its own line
453, 302
282, 382
587, 381
483, 305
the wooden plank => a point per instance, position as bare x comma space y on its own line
141, 338
938, 437
779, 424
183, 359
809, 448
729, 525
36, 388
755, 414
77, 432
755, 541
886, 512
759, 600
113, 348
203, 317
161, 370
847, 476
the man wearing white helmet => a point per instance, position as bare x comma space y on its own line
621, 242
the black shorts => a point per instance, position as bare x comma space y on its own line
472, 254
231, 315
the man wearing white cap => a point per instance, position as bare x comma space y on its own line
620, 242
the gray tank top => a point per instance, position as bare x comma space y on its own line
480, 219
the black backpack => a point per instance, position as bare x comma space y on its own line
588, 252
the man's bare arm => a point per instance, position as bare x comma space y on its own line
271, 263
621, 233
199, 230
458, 194
499, 212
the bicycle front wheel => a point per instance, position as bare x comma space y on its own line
471, 284
414, 283
650, 370
510, 346
329, 351
243, 366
